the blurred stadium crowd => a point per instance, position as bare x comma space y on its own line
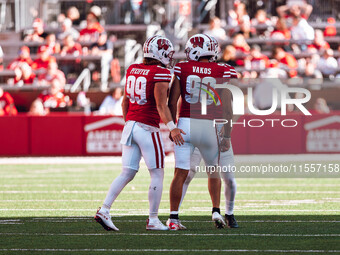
84, 42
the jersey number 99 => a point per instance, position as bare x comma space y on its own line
136, 89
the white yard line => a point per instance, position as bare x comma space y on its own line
164, 192
201, 209
165, 234
47, 219
169, 159
266, 202
324, 185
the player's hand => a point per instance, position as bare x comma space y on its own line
225, 144
170, 137
176, 136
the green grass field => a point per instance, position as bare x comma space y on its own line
49, 209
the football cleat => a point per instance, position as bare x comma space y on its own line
231, 221
104, 219
155, 224
218, 219
175, 224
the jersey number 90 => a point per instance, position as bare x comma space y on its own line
196, 88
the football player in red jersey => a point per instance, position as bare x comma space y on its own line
214, 182
144, 105
195, 80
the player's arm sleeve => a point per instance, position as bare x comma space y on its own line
177, 71
229, 72
162, 75
233, 73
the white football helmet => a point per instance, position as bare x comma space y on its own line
199, 45
159, 48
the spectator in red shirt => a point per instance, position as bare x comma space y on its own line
52, 44
286, 59
44, 58
261, 19
242, 48
71, 47
24, 57
52, 73
256, 59
319, 42
7, 107
53, 97
23, 76
281, 32
37, 34
93, 27
229, 55
238, 14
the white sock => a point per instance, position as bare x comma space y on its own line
117, 186
189, 178
155, 191
229, 193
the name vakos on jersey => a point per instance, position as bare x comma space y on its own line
202, 70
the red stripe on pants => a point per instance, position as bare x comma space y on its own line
156, 150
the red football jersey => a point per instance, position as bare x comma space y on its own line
197, 78
139, 88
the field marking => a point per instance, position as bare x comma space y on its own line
164, 234
131, 212
196, 185
168, 159
279, 202
55, 220
80, 219
192, 209
11, 223
175, 250
325, 185
166, 192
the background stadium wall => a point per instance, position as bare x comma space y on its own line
79, 135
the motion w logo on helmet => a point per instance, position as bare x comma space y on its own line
163, 44
197, 42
